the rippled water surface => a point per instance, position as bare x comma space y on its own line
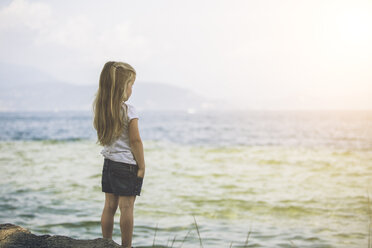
290, 179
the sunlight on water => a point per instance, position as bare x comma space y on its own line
285, 195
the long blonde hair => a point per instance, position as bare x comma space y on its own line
109, 116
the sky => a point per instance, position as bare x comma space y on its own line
253, 54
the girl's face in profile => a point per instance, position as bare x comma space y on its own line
129, 89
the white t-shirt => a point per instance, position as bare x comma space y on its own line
119, 150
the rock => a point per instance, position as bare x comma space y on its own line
12, 236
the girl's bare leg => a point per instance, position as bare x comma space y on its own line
126, 205
107, 218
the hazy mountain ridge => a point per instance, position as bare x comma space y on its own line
24, 88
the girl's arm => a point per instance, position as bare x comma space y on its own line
137, 146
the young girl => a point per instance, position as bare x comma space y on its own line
117, 130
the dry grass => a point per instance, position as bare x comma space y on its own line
187, 234
249, 232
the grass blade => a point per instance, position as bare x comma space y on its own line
246, 241
185, 237
197, 229
153, 242
174, 239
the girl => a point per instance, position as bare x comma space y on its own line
117, 130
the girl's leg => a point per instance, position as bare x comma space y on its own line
107, 218
126, 205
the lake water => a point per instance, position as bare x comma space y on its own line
289, 178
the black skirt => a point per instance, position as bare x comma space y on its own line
121, 178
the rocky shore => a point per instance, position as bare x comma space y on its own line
13, 236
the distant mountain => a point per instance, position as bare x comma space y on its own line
25, 88
157, 96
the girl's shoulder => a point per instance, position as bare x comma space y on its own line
131, 110
128, 106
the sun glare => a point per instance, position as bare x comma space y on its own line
356, 25
350, 24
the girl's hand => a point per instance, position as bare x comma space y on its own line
141, 173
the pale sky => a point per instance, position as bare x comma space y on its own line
254, 54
